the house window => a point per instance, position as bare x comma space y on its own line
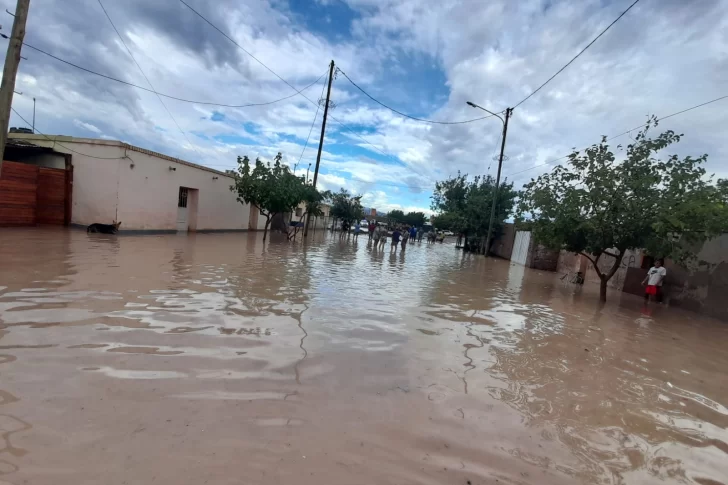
299, 212
182, 200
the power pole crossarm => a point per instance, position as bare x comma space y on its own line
10, 71
321, 142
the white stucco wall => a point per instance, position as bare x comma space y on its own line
145, 196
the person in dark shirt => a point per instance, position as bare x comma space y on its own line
395, 238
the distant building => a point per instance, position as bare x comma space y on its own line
80, 181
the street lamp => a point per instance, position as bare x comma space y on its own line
509, 111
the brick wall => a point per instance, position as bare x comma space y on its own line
503, 245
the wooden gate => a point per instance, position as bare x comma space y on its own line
51, 196
31, 195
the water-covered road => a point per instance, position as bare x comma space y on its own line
213, 358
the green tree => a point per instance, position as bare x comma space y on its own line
464, 206
415, 219
345, 207
313, 200
273, 189
449, 221
396, 215
597, 206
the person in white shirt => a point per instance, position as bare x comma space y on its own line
654, 279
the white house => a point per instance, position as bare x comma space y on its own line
110, 180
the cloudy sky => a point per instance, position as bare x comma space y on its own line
423, 57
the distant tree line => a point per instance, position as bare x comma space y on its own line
415, 219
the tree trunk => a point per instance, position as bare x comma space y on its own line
605, 277
265, 231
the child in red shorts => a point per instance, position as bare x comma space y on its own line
654, 279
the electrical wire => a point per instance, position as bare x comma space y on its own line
239, 46
169, 96
626, 132
348, 128
409, 116
55, 142
318, 107
145, 77
579, 54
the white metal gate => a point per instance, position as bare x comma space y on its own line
520, 247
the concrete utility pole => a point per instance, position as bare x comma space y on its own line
12, 60
321, 142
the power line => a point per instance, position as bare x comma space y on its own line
64, 146
239, 46
145, 77
409, 116
580, 53
318, 107
205, 103
366, 142
625, 132
348, 128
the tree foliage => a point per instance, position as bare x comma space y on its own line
345, 207
597, 206
396, 215
464, 206
415, 219
412, 218
273, 189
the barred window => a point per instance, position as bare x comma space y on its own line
182, 200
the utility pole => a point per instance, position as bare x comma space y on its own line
12, 60
34, 115
509, 111
321, 141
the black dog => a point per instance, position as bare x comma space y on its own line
112, 228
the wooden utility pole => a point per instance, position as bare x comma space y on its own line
12, 60
509, 111
321, 142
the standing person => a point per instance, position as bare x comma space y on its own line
372, 227
413, 233
382, 236
419, 234
405, 238
654, 279
395, 238
357, 230
375, 235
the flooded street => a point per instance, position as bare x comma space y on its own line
213, 358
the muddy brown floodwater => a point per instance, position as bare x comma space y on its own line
218, 359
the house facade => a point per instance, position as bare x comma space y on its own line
109, 180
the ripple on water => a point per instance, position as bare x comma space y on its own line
430, 366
